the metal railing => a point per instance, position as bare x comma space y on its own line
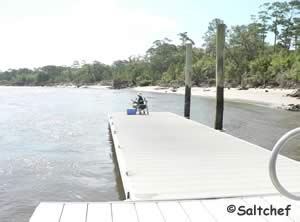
272, 164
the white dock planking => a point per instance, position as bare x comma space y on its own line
166, 161
163, 211
165, 156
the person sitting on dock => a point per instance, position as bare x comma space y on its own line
140, 99
140, 104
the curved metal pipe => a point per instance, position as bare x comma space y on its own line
272, 164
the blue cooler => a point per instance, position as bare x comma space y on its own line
131, 111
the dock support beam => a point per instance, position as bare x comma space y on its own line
220, 42
188, 80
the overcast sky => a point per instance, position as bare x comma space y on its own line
57, 32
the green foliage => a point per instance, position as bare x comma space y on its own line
204, 70
259, 68
210, 36
248, 58
145, 82
51, 75
294, 72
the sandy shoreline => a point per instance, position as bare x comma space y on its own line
275, 98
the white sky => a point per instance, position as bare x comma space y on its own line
89, 30
57, 32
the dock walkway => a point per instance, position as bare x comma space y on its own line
177, 170
165, 157
214, 210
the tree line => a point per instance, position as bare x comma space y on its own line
250, 60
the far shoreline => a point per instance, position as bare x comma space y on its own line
268, 97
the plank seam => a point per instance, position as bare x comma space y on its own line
111, 212
136, 212
87, 210
208, 211
61, 213
161, 213
184, 211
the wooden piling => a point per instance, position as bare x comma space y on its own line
220, 42
188, 80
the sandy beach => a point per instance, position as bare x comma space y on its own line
275, 98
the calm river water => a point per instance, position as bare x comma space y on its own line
55, 144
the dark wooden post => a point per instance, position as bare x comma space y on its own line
188, 80
220, 42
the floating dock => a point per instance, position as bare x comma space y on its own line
164, 211
177, 170
164, 156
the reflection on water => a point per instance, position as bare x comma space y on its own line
55, 144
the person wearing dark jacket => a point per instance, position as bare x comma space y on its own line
140, 103
140, 100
